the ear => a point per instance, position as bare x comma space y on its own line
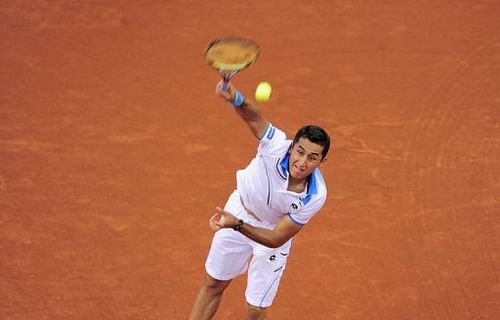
323, 160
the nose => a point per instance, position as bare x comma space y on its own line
302, 162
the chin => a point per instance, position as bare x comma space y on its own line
300, 175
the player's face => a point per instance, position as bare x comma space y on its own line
305, 156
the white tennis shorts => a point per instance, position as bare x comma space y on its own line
232, 254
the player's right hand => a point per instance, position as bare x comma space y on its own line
228, 93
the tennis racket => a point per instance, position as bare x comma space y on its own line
230, 55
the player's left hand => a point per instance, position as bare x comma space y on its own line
222, 219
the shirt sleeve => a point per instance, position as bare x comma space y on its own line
271, 141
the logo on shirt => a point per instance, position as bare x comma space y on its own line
295, 206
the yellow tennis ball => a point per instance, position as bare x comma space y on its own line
263, 91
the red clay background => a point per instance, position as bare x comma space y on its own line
114, 152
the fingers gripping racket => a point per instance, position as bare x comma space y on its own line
231, 55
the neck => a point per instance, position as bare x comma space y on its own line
296, 185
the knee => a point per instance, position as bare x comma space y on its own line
215, 286
255, 313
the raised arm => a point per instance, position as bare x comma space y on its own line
245, 108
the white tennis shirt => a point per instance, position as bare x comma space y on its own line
263, 184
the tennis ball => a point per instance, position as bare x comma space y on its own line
263, 91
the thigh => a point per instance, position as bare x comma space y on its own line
229, 255
264, 274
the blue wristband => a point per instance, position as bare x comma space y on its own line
238, 99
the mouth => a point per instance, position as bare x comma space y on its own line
298, 170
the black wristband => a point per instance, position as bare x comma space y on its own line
239, 225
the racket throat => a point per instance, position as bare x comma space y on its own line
226, 77
227, 74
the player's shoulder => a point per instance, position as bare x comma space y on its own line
318, 179
273, 140
318, 189
272, 133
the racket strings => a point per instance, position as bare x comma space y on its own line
232, 54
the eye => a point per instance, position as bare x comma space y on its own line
313, 158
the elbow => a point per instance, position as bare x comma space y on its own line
276, 246
271, 242
276, 243
273, 245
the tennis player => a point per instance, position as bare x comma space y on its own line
279, 191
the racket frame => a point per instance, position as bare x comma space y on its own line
228, 71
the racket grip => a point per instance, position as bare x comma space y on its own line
225, 84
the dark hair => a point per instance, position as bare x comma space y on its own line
316, 135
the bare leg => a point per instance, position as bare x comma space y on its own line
256, 313
208, 299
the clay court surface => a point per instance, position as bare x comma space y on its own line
114, 152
